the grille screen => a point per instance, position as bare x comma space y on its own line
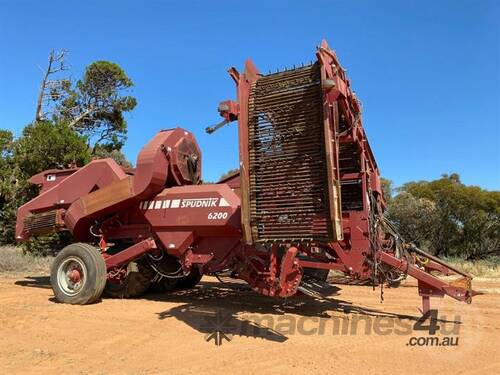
288, 176
41, 223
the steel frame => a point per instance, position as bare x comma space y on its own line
102, 202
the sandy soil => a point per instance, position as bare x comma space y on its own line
168, 333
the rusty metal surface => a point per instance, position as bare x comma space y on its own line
45, 222
102, 187
288, 176
98, 173
155, 169
308, 183
107, 196
244, 83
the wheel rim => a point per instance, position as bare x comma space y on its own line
71, 276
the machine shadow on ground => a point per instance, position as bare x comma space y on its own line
35, 282
221, 307
224, 306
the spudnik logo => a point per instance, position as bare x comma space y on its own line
222, 325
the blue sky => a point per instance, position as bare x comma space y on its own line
427, 72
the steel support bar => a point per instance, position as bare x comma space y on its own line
438, 261
130, 253
460, 294
321, 265
426, 304
433, 266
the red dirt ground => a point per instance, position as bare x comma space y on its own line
167, 333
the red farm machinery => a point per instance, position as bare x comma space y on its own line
307, 200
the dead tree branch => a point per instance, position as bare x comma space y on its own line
51, 88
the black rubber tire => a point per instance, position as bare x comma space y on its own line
137, 282
93, 284
189, 281
165, 285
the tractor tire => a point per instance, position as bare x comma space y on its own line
164, 285
189, 281
78, 274
136, 283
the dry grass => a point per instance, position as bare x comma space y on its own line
13, 261
484, 269
488, 268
